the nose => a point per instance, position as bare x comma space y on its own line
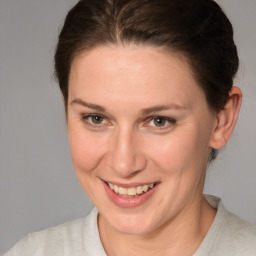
127, 157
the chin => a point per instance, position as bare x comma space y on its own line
132, 224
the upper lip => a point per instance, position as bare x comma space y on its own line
130, 185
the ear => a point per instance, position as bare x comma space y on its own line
226, 119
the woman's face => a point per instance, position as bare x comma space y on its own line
140, 131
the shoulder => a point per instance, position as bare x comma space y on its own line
243, 233
65, 239
229, 234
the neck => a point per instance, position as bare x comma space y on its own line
181, 235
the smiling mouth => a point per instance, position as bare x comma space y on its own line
132, 191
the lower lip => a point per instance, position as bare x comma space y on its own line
129, 202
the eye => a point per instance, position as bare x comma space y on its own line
161, 122
97, 119
93, 119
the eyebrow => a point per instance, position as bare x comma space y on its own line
158, 108
144, 111
88, 105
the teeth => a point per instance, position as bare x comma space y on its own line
116, 188
139, 190
145, 188
130, 192
122, 191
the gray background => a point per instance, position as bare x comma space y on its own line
38, 187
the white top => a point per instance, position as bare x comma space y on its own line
227, 236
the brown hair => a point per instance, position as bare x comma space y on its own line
197, 29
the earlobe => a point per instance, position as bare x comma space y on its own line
226, 119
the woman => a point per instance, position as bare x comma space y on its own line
149, 98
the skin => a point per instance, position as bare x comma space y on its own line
127, 146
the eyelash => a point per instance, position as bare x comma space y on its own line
170, 121
85, 118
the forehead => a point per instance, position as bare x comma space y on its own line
132, 72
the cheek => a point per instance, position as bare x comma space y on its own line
180, 152
86, 150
